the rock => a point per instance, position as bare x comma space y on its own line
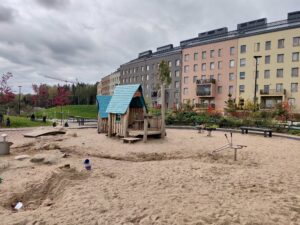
38, 158
22, 157
50, 159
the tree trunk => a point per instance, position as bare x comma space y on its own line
163, 111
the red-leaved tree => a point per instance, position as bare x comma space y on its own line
41, 95
62, 97
6, 94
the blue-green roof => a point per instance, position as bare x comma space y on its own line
103, 101
123, 98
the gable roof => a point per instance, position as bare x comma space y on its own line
103, 101
123, 97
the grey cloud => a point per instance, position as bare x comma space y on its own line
54, 4
6, 14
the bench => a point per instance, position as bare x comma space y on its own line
130, 140
266, 131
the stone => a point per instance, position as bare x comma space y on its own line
50, 159
38, 158
22, 157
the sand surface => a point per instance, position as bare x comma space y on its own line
171, 181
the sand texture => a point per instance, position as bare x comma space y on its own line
171, 181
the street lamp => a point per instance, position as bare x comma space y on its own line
20, 100
256, 57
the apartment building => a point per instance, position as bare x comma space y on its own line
144, 71
278, 45
108, 83
209, 69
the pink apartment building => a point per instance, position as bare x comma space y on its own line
209, 72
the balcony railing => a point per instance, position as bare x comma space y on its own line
273, 92
205, 105
206, 81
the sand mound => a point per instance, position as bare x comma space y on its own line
46, 192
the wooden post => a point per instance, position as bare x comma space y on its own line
163, 111
145, 128
235, 154
126, 118
109, 125
99, 124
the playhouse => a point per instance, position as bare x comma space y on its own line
128, 114
102, 102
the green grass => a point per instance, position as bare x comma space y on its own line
86, 111
17, 122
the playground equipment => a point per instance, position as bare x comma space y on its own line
230, 145
4, 145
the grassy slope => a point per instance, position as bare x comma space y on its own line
24, 122
86, 111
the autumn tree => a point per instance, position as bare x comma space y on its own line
41, 95
6, 94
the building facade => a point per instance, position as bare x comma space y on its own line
278, 76
108, 83
144, 71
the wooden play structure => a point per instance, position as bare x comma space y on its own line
128, 114
102, 102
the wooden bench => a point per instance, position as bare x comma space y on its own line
130, 140
266, 131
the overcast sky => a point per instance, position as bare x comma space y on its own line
88, 39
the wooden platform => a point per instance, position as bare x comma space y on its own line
136, 133
38, 133
130, 140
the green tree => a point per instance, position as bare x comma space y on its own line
164, 80
230, 105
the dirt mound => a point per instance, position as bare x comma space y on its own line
46, 192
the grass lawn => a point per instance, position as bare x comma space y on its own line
16, 122
86, 111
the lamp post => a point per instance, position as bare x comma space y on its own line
256, 57
20, 100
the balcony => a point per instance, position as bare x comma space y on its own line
205, 106
272, 92
206, 88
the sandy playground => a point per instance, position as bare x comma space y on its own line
171, 181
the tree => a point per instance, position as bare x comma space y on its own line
230, 105
164, 79
41, 96
6, 94
62, 98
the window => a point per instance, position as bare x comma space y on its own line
196, 56
170, 74
242, 62
291, 101
143, 68
295, 57
118, 117
231, 63
243, 48
257, 47
267, 59
220, 53
266, 88
142, 78
267, 74
186, 57
129, 79
279, 87
232, 50
195, 67
281, 43
242, 88
212, 65
147, 77
211, 77
194, 79
294, 87
268, 45
219, 89
279, 73
280, 58
231, 76
219, 77
186, 69
148, 67
176, 84
203, 66
176, 94
242, 75
296, 41
220, 65
170, 63
186, 80
177, 73
185, 91
204, 55
230, 90
212, 53
177, 62
203, 77
295, 72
